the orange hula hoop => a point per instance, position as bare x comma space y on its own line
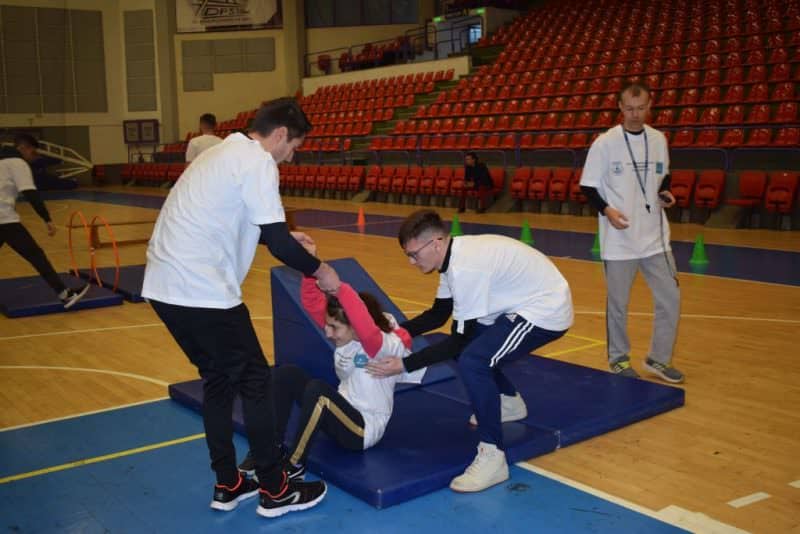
116, 253
69, 239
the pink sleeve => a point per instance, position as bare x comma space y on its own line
404, 336
314, 301
367, 331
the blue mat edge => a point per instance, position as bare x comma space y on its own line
102, 301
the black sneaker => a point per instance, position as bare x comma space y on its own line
227, 498
248, 467
72, 296
294, 496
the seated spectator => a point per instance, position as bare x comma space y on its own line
478, 179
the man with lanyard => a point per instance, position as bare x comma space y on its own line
626, 178
506, 299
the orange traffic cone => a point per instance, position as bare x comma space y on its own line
360, 222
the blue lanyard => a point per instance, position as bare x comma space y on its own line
642, 182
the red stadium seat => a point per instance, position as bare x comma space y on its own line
519, 183
681, 185
751, 189
781, 192
709, 188
538, 183
558, 189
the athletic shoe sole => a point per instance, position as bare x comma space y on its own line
662, 376
231, 505
277, 512
488, 485
78, 296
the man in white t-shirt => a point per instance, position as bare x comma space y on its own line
626, 178
205, 140
16, 178
201, 250
506, 300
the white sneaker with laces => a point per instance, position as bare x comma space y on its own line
487, 469
511, 409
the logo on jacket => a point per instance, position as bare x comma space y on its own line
616, 168
360, 360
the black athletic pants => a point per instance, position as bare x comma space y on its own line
321, 407
222, 344
22, 242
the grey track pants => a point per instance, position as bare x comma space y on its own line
666, 296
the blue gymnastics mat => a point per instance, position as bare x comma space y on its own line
30, 295
576, 402
131, 278
427, 443
428, 440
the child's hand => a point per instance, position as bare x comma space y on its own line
306, 242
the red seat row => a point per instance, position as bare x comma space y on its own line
322, 177
707, 187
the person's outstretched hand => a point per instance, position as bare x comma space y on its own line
385, 367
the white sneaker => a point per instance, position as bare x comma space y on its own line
487, 469
511, 409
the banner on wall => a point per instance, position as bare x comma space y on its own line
215, 15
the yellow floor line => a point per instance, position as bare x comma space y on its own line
573, 349
98, 459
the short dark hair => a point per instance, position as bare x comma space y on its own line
281, 112
334, 309
471, 154
208, 119
418, 223
26, 139
635, 89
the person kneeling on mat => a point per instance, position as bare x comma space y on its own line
506, 299
356, 414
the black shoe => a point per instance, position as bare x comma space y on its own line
248, 467
226, 498
294, 496
72, 296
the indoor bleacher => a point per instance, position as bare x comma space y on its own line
724, 76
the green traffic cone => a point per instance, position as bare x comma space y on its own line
455, 227
699, 252
596, 245
525, 235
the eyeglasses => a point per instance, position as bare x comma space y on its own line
413, 254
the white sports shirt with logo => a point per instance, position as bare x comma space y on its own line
207, 232
609, 169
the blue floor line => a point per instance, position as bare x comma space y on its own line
761, 265
168, 490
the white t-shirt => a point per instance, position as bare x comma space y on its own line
15, 177
490, 275
372, 397
206, 234
609, 169
199, 144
